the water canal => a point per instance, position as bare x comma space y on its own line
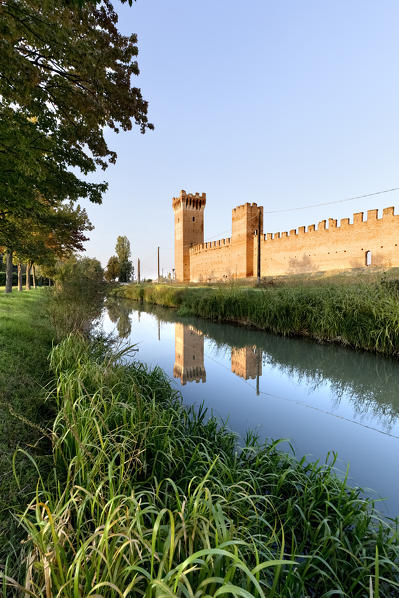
322, 398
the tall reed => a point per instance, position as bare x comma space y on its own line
152, 499
363, 316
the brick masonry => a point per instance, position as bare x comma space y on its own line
189, 354
246, 362
328, 247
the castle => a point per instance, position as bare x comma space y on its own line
246, 362
249, 252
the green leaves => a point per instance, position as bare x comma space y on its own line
65, 74
122, 249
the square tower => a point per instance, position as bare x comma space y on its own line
189, 229
246, 219
189, 354
246, 362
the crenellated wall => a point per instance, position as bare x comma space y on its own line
211, 261
331, 246
328, 247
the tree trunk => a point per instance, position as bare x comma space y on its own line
19, 277
34, 276
9, 271
27, 278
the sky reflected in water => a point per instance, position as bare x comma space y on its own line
321, 398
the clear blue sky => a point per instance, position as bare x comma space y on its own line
285, 103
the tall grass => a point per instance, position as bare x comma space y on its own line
74, 304
363, 316
151, 499
158, 294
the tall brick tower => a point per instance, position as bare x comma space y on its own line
189, 354
189, 229
245, 220
246, 362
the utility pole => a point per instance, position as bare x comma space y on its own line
138, 270
258, 272
158, 265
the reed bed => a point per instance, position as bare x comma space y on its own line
149, 498
363, 316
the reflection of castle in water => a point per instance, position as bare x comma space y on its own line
370, 382
246, 362
189, 354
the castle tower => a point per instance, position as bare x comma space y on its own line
245, 221
189, 354
246, 362
189, 229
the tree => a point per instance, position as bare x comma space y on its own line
65, 76
76, 270
56, 236
122, 249
113, 270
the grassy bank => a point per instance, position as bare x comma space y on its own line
30, 322
152, 500
25, 342
362, 315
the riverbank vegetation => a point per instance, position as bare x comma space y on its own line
363, 315
30, 323
139, 495
76, 300
368, 381
136, 509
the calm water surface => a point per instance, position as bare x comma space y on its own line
322, 398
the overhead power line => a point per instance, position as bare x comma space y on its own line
314, 205
329, 203
212, 237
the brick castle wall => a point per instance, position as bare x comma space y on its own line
333, 247
211, 261
329, 247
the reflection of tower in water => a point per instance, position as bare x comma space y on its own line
189, 354
246, 362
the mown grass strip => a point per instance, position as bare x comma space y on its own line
25, 342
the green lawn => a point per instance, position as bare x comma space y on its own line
25, 342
